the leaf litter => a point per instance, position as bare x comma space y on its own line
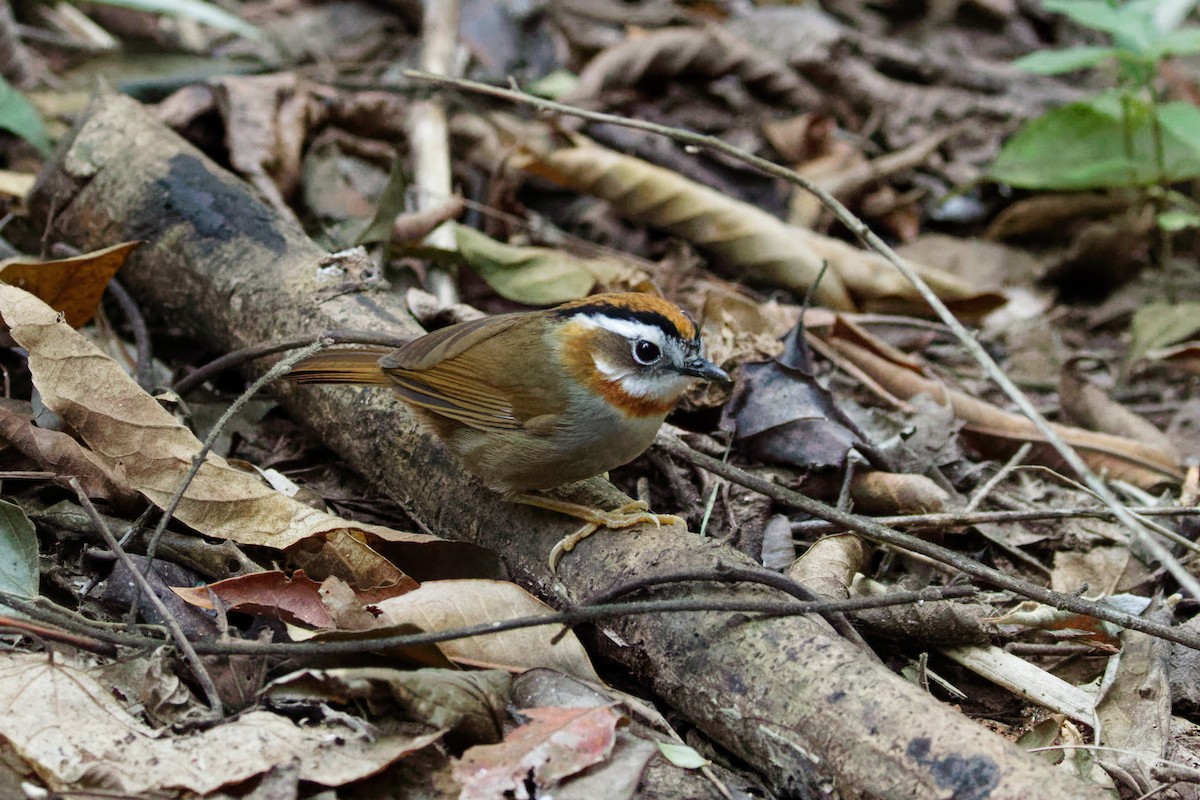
890, 388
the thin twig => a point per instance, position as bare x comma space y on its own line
1001, 474
872, 530
1055, 650
728, 573
956, 519
147, 591
36, 609
274, 373
860, 229
1166, 532
23, 627
144, 367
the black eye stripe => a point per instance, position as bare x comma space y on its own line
652, 318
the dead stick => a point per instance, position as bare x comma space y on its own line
820, 527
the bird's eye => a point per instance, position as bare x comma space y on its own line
646, 352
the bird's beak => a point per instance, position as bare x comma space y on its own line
702, 368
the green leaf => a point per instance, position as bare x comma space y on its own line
18, 116
1096, 14
18, 552
1178, 220
1131, 25
535, 276
203, 12
1160, 324
1180, 123
1084, 146
682, 756
1043, 735
1055, 62
1183, 42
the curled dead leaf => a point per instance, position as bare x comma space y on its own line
745, 240
1088, 405
886, 493
828, 567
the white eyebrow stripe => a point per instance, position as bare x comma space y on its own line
631, 329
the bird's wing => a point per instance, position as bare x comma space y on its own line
433, 348
459, 373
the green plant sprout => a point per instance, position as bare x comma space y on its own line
1125, 137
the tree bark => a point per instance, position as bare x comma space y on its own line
806, 709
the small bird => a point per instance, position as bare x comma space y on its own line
538, 399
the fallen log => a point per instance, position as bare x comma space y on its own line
803, 707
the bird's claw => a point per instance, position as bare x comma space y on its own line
628, 515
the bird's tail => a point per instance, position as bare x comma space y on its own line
343, 365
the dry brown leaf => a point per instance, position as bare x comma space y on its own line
1049, 215
704, 53
343, 554
294, 598
439, 605
1185, 356
555, 744
886, 493
1088, 405
267, 118
828, 567
1099, 571
978, 261
746, 240
73, 286
741, 238
1002, 432
59, 453
139, 441
93, 743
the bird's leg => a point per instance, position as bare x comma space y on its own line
628, 515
